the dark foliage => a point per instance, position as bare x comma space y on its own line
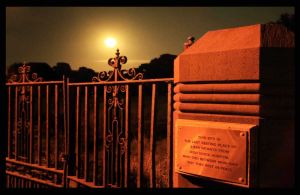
161, 67
287, 20
61, 69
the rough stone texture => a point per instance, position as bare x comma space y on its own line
218, 52
260, 58
237, 54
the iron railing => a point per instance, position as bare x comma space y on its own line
34, 129
110, 132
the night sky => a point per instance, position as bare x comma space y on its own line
76, 35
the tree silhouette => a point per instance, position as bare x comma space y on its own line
82, 75
161, 67
62, 69
57, 72
287, 20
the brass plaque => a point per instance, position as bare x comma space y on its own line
214, 150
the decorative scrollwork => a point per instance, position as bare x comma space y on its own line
121, 103
23, 123
24, 75
116, 140
131, 75
123, 60
109, 140
110, 101
123, 88
117, 73
103, 76
122, 143
111, 62
13, 78
109, 89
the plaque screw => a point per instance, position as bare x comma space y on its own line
241, 179
242, 134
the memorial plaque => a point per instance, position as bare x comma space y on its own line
211, 149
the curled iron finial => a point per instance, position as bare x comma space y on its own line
117, 53
117, 60
116, 63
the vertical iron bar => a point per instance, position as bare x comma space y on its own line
95, 137
65, 118
86, 134
31, 130
140, 147
152, 140
112, 161
77, 131
115, 141
120, 166
16, 123
169, 134
22, 131
8, 125
104, 137
126, 137
68, 116
47, 128
39, 126
65, 167
55, 126
111, 155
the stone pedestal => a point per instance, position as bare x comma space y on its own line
241, 76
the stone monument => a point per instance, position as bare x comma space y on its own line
234, 109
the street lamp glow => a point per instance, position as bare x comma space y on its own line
110, 42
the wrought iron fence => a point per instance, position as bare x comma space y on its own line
35, 130
114, 131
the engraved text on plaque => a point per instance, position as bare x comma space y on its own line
209, 151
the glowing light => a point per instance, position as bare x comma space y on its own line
110, 42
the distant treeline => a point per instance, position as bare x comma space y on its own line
288, 20
161, 67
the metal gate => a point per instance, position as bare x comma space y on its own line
36, 131
107, 120
114, 131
